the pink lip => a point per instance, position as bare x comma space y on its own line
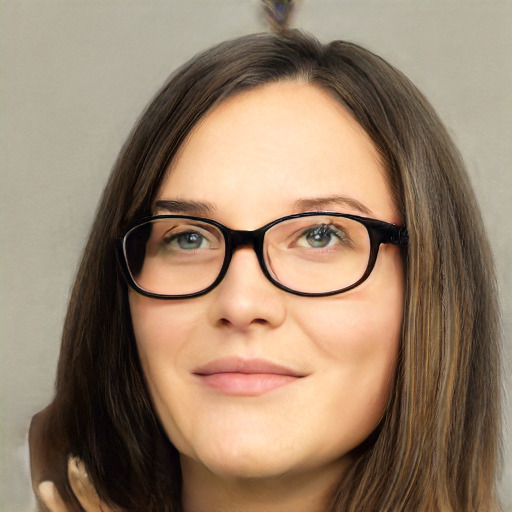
245, 377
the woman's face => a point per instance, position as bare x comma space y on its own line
260, 155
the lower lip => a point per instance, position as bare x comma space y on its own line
246, 384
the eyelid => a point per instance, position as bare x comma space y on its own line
327, 229
195, 226
172, 236
302, 231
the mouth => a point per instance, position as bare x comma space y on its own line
245, 377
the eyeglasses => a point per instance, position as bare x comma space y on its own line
309, 254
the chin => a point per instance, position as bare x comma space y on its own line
247, 461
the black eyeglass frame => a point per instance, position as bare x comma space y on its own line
380, 232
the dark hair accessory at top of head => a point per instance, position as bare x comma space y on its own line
278, 13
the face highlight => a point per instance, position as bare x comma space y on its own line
250, 381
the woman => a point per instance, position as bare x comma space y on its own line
350, 364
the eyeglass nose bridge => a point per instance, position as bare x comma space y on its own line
241, 238
236, 239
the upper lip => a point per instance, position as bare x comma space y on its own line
247, 366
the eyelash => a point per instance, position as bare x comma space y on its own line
331, 230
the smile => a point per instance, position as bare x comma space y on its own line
241, 377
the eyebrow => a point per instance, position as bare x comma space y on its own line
307, 204
185, 206
325, 203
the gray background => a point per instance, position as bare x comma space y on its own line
74, 77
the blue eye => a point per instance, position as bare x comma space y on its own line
187, 241
190, 240
321, 236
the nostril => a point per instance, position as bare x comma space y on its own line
224, 322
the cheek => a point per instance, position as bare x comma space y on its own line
162, 330
161, 325
151, 327
358, 333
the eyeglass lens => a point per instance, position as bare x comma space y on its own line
313, 254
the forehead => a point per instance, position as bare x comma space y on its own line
257, 154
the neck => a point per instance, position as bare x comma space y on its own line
204, 491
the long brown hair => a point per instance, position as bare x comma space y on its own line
437, 445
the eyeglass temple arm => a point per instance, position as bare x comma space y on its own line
396, 235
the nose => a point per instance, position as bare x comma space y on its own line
246, 298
